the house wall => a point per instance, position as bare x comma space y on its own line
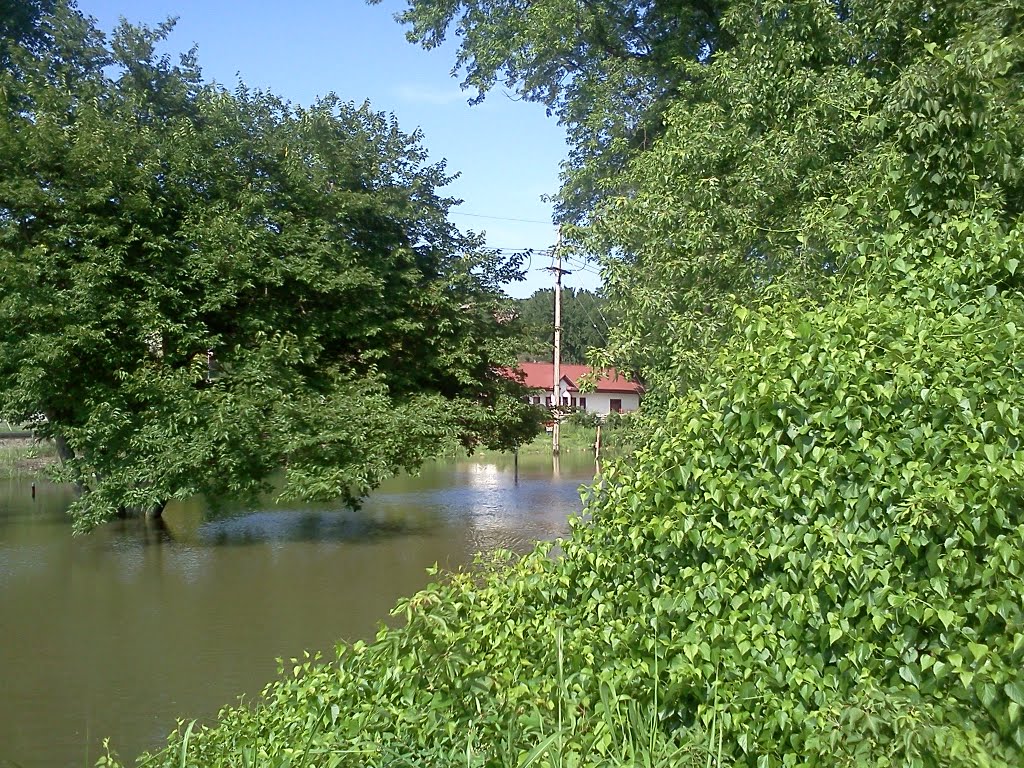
600, 402
597, 402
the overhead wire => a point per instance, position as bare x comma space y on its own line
578, 266
590, 317
498, 218
582, 265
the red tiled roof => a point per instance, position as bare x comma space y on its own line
540, 376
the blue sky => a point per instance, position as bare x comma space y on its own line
507, 151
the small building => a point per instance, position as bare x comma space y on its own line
612, 393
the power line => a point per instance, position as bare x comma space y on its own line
583, 265
498, 218
578, 265
590, 317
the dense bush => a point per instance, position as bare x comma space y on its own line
818, 559
582, 418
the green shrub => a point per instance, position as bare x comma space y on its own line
581, 418
818, 559
829, 533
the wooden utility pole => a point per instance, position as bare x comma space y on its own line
557, 388
555, 437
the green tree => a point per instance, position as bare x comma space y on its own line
202, 290
21, 25
607, 68
714, 144
780, 154
584, 326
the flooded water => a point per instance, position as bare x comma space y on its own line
118, 633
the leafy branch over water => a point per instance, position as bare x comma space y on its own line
200, 288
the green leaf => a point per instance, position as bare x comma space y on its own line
1015, 691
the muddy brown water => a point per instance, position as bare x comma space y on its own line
119, 633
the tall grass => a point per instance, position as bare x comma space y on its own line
23, 457
610, 730
616, 731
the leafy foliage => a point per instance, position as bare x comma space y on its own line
606, 67
817, 560
783, 151
714, 144
202, 288
20, 24
818, 556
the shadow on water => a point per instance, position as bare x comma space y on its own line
344, 525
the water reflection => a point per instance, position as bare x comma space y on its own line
119, 633
291, 525
141, 531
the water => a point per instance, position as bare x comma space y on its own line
118, 633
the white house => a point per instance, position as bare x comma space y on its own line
611, 393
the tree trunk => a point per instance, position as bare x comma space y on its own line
64, 451
154, 512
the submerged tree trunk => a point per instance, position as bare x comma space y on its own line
153, 512
65, 452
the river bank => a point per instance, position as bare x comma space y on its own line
24, 456
581, 436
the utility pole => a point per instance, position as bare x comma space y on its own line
556, 390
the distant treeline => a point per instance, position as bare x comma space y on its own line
585, 322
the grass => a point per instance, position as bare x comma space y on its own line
575, 438
24, 457
612, 732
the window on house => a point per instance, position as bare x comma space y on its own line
616, 405
573, 402
583, 403
547, 401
